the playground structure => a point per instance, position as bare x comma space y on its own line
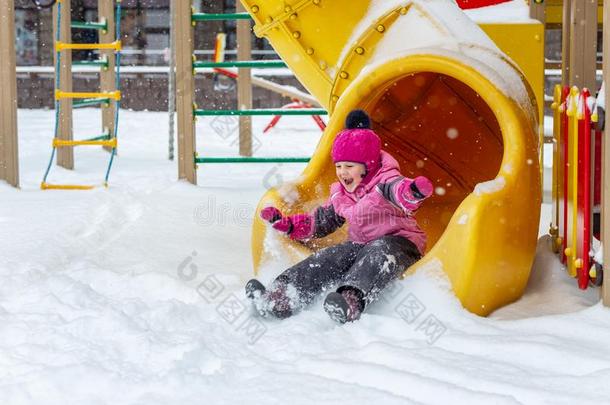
574, 182
186, 66
481, 230
108, 97
580, 153
300, 99
552, 12
9, 157
486, 259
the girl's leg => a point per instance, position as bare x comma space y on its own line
297, 286
377, 264
323, 268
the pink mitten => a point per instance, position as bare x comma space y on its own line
411, 193
298, 227
302, 226
284, 224
271, 214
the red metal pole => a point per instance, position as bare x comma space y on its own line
319, 121
272, 123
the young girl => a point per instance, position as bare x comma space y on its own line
378, 204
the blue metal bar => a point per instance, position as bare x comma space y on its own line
57, 84
117, 86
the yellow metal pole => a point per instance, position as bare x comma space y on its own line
574, 169
572, 177
47, 186
60, 95
61, 46
556, 180
58, 143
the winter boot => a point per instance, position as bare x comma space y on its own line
254, 289
274, 301
278, 302
343, 307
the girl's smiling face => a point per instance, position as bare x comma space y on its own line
350, 174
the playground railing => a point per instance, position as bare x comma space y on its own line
573, 182
187, 110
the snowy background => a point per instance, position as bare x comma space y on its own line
134, 295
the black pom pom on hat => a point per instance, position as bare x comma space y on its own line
358, 119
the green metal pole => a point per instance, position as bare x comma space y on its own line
87, 102
98, 62
263, 111
84, 25
252, 160
216, 17
104, 137
263, 64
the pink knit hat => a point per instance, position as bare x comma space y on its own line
358, 143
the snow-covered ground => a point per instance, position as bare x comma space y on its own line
133, 295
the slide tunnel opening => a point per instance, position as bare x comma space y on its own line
439, 127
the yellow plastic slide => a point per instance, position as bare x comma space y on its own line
447, 103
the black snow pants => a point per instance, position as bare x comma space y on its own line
365, 268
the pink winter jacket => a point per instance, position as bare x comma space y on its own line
372, 210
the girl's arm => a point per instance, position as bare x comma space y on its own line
406, 193
321, 222
326, 221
